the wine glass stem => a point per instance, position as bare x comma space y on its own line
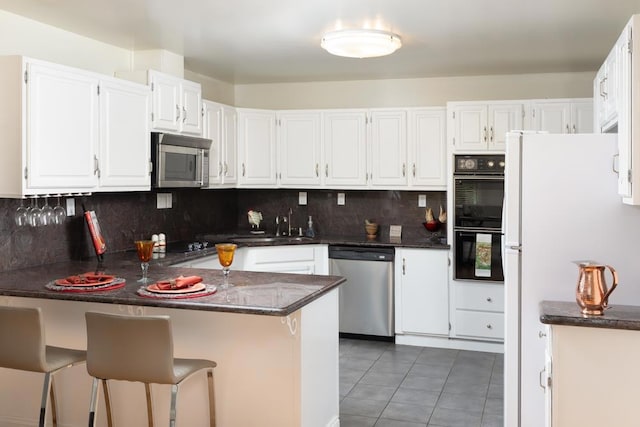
225, 277
145, 268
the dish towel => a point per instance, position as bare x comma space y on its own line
483, 255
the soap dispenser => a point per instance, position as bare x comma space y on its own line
310, 232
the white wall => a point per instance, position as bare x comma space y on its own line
22, 36
212, 89
414, 92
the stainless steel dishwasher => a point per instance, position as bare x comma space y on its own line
366, 298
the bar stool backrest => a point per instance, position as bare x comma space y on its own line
22, 340
130, 348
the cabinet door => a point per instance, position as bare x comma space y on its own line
582, 117
124, 136
503, 118
388, 148
165, 94
344, 148
299, 148
552, 117
427, 144
191, 105
422, 291
62, 129
229, 145
257, 147
212, 129
470, 128
625, 141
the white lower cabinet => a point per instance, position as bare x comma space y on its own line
421, 292
477, 311
301, 259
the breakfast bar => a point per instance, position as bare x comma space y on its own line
273, 336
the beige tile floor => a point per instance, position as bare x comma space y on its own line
388, 385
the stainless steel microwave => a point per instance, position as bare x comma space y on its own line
179, 161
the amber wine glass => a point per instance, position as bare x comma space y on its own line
145, 251
225, 256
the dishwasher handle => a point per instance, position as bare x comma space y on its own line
360, 253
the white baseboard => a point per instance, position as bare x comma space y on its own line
446, 342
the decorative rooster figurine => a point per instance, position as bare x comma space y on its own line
254, 218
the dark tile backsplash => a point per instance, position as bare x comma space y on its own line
125, 217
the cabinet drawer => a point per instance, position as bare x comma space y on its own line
479, 324
280, 254
479, 296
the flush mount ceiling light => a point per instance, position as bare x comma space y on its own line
361, 43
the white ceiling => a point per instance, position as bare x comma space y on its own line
262, 41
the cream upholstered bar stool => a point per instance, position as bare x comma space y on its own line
23, 347
139, 349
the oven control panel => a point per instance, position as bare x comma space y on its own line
479, 164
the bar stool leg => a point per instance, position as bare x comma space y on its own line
54, 407
94, 399
107, 402
43, 403
172, 413
147, 389
212, 402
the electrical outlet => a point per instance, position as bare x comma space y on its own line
422, 200
341, 199
71, 207
164, 200
302, 198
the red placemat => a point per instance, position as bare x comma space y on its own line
117, 283
208, 290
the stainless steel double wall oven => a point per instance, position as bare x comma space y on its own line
478, 191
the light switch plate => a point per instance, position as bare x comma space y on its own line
340, 199
71, 206
422, 200
302, 198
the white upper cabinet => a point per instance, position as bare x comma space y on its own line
257, 148
177, 104
482, 126
124, 160
345, 150
219, 125
388, 148
68, 130
563, 115
299, 148
427, 148
61, 112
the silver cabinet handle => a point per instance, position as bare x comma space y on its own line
96, 166
613, 164
220, 169
491, 133
540, 380
184, 118
568, 131
489, 299
177, 112
605, 94
574, 128
317, 170
485, 134
404, 170
404, 266
326, 170
489, 326
243, 170
414, 170
226, 169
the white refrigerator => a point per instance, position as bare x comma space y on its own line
561, 205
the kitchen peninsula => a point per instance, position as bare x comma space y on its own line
274, 337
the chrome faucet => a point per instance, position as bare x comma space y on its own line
289, 222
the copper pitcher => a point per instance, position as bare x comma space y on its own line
592, 294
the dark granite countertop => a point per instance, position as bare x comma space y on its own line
435, 242
568, 314
254, 293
